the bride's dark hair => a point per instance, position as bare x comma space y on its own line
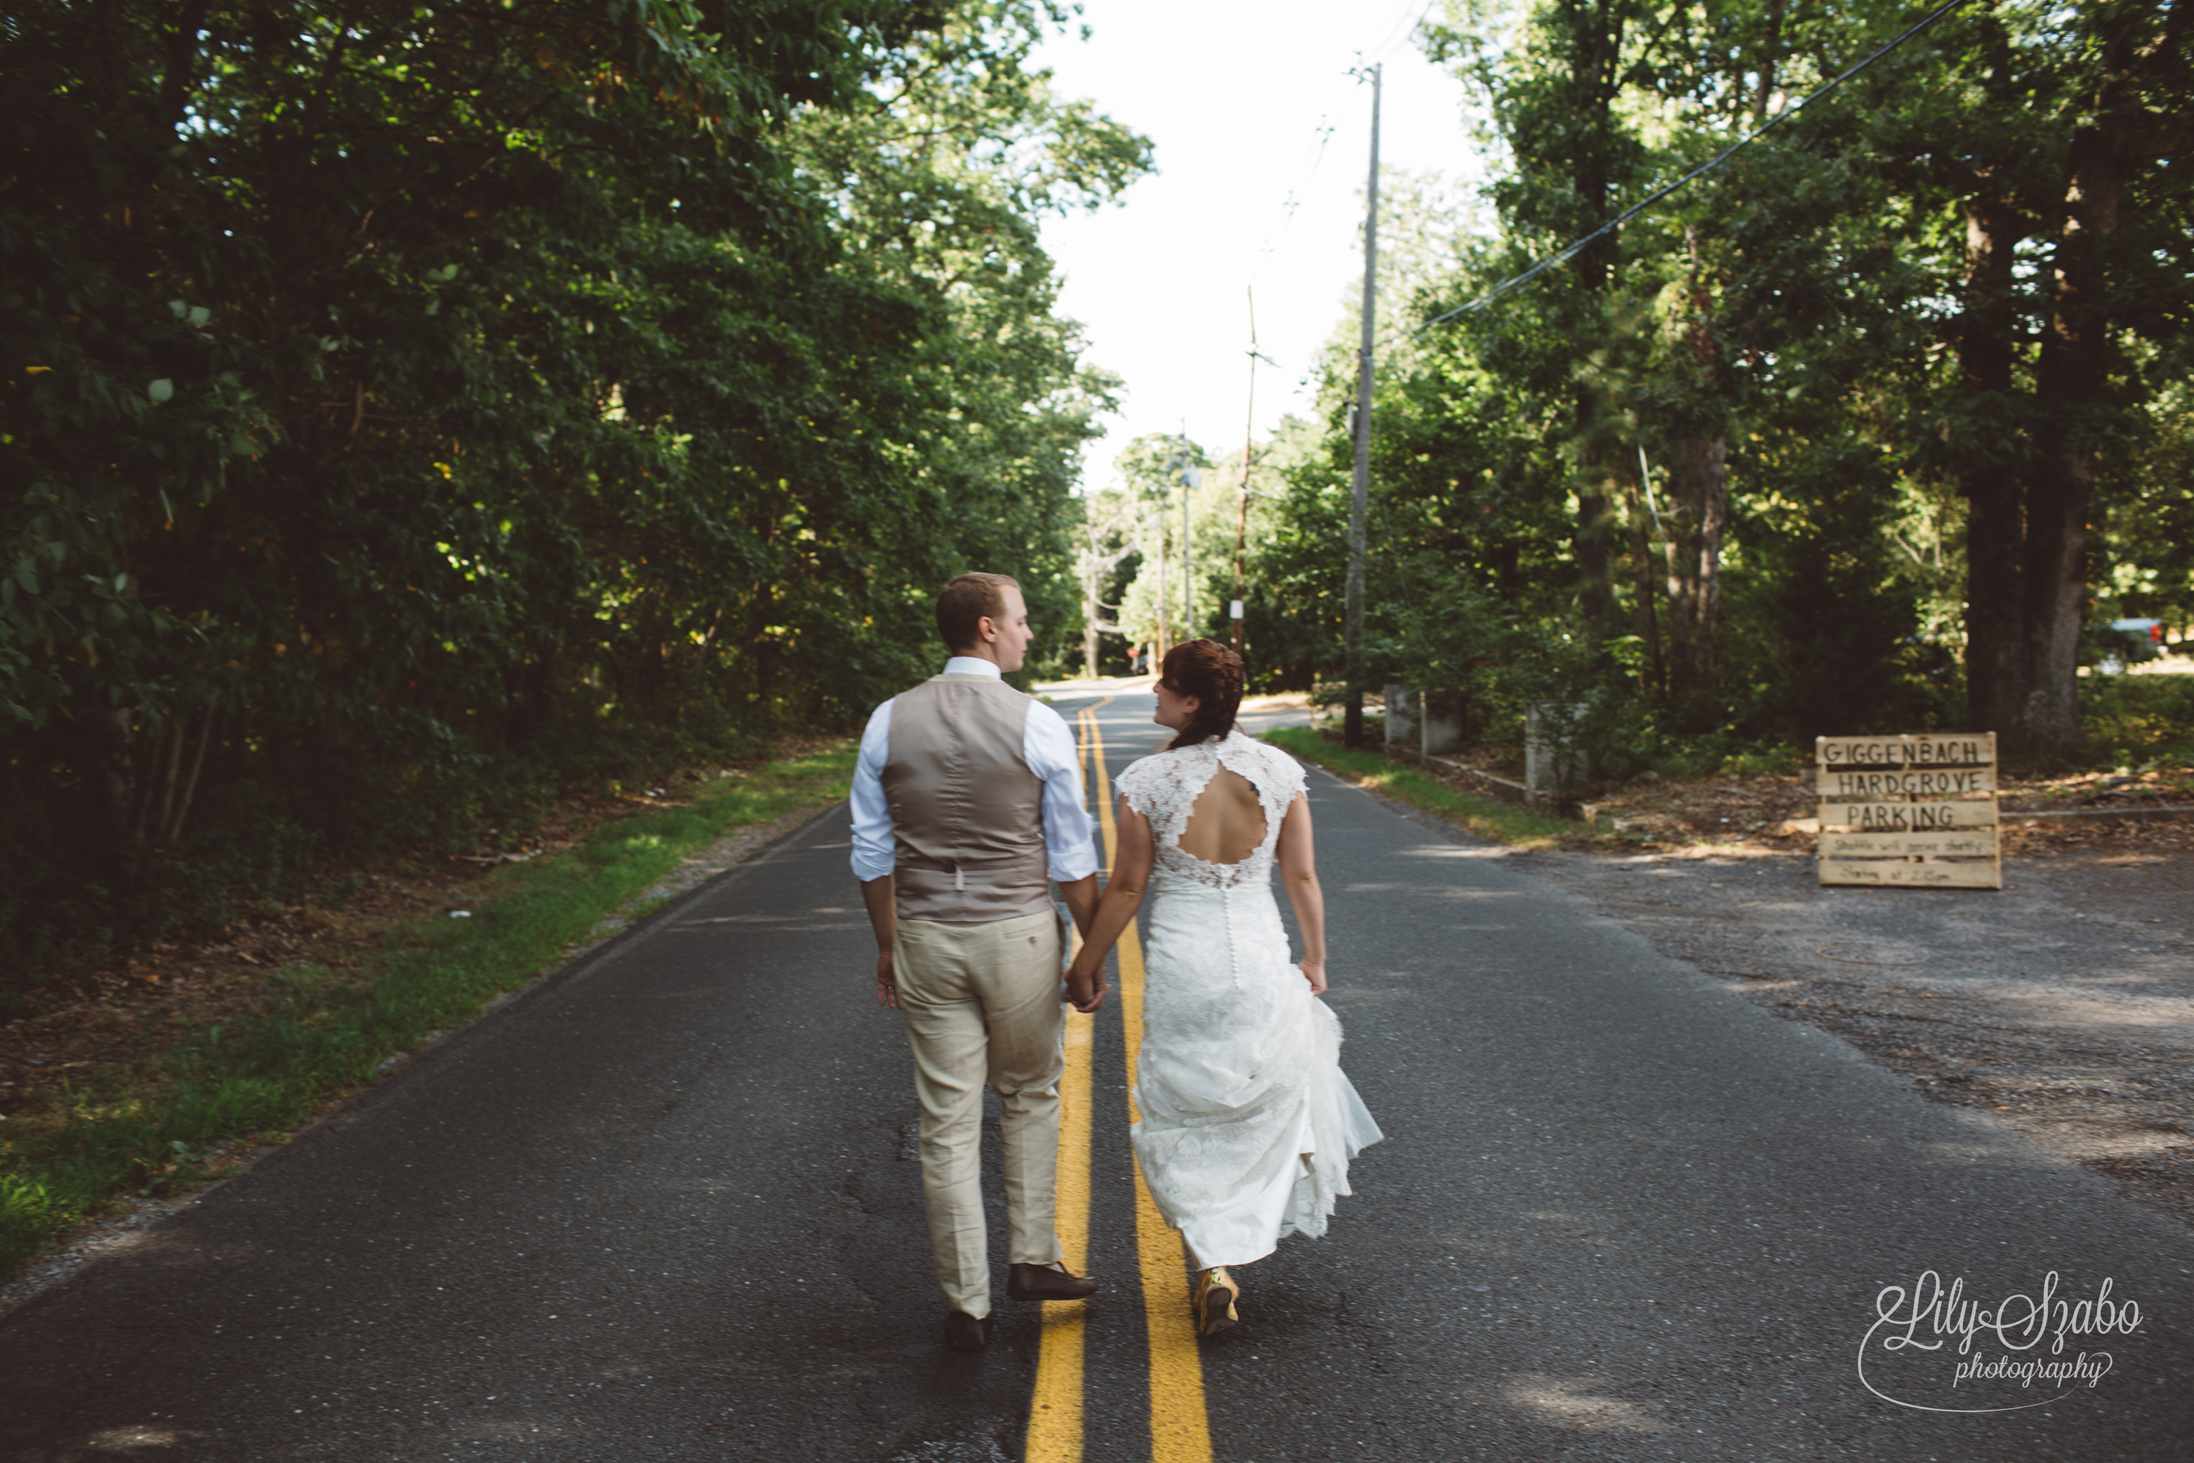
1212, 673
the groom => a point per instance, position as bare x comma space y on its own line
967, 794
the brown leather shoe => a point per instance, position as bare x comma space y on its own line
964, 1332
1047, 1282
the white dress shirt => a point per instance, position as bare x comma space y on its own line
1047, 745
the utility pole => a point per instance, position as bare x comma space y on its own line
1164, 644
1190, 477
1249, 439
1352, 725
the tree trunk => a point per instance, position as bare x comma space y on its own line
2070, 385
1649, 620
1597, 82
1770, 53
1594, 600
1996, 684
1698, 499
117, 759
1093, 583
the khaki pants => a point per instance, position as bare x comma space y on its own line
982, 1004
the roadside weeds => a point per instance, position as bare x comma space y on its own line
314, 1033
1517, 827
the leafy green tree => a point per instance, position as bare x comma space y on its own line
2039, 148
1154, 471
1555, 88
418, 405
1862, 424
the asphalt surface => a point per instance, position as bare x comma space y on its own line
666, 1206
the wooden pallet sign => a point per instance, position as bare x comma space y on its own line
1909, 812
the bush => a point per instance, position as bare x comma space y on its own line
2132, 721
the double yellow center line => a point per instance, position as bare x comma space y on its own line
1179, 1429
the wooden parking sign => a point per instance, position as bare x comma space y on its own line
1910, 811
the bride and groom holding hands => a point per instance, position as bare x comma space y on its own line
967, 807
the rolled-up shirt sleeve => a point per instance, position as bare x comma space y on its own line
873, 854
1047, 745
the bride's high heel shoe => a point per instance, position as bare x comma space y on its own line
1215, 1293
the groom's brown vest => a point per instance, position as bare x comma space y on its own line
967, 816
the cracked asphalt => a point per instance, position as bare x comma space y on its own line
664, 1207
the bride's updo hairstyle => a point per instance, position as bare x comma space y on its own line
1212, 673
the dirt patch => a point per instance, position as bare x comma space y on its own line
1759, 811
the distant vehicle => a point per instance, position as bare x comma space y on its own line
2130, 642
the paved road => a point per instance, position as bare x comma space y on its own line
666, 1207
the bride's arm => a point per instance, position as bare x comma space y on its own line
1131, 862
1299, 871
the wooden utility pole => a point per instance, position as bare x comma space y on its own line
1165, 642
1249, 439
1190, 477
1352, 725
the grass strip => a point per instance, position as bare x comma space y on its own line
1519, 827
319, 1036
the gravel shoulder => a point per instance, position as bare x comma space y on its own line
2063, 1003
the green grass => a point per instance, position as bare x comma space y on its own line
2131, 721
1482, 816
317, 1037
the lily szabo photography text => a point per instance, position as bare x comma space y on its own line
1009, 731
1929, 1344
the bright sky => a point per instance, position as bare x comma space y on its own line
1236, 97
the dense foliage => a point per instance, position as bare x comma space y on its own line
411, 406
1869, 428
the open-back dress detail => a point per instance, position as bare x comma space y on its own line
1248, 1123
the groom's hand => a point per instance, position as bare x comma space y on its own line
1085, 993
883, 918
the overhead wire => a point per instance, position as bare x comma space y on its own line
1408, 20
1571, 251
1322, 133
1518, 281
1393, 39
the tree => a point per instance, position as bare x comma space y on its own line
1106, 518
429, 403
1552, 99
1153, 472
2052, 135
1933, 306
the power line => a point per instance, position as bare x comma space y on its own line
1407, 22
1516, 282
1305, 175
1392, 39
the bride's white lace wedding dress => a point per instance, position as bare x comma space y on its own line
1248, 1123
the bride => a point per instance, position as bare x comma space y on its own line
1248, 1123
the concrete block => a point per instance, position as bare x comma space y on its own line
1401, 714
1443, 715
1554, 755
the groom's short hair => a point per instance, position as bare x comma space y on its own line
965, 601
